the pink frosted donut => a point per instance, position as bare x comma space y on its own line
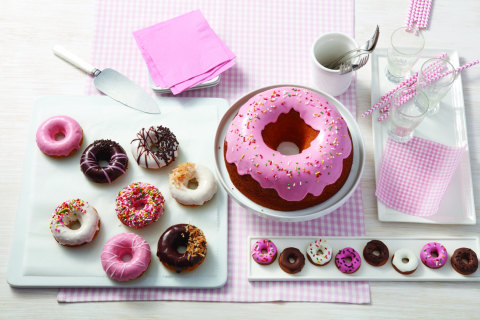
264, 251
433, 255
118, 250
54, 128
348, 260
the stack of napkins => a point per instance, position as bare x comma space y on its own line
183, 52
414, 176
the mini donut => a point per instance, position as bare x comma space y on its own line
104, 150
155, 147
70, 212
125, 257
348, 260
291, 260
139, 204
57, 126
404, 261
319, 252
464, 261
434, 255
376, 253
264, 251
192, 184
177, 236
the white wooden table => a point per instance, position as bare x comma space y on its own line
29, 70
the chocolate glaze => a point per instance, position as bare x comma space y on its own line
294, 254
468, 255
372, 259
164, 141
176, 236
104, 150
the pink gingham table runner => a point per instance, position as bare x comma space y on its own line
271, 40
414, 176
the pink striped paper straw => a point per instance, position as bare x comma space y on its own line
438, 76
383, 116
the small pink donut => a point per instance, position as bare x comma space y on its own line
434, 255
59, 125
348, 260
264, 251
115, 256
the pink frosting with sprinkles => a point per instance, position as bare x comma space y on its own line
434, 255
139, 204
53, 126
264, 251
292, 176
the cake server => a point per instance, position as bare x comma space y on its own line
112, 83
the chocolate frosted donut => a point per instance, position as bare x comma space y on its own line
291, 260
464, 261
376, 253
182, 235
154, 148
104, 150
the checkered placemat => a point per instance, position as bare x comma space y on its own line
272, 42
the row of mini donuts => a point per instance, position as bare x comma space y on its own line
433, 255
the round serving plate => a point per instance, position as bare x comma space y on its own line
306, 214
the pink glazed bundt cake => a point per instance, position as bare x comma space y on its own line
288, 182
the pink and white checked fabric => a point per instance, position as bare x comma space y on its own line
413, 176
272, 41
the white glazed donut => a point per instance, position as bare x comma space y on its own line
405, 261
154, 147
74, 211
192, 184
319, 252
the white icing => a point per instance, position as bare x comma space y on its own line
319, 251
207, 187
398, 262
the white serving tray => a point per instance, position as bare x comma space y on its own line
37, 260
366, 272
210, 83
448, 127
299, 215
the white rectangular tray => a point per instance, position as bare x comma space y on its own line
366, 272
38, 261
448, 127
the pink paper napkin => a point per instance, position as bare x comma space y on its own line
413, 176
183, 52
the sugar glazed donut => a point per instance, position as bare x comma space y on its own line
125, 257
319, 252
66, 130
404, 261
288, 182
291, 260
69, 213
177, 236
464, 261
192, 184
139, 204
376, 253
434, 255
104, 150
348, 260
264, 251
154, 147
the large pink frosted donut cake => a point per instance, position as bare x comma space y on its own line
288, 182
59, 136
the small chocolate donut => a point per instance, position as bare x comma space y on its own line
376, 253
297, 257
464, 261
104, 150
182, 235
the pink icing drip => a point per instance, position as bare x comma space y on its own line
296, 175
59, 124
431, 261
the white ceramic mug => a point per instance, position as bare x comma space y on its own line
325, 49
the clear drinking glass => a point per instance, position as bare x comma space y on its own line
435, 79
408, 109
405, 47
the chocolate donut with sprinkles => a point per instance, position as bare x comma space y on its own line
139, 204
108, 151
155, 147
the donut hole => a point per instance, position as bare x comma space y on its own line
181, 249
192, 184
139, 204
153, 148
126, 257
405, 260
348, 259
264, 251
376, 253
291, 128
59, 136
465, 260
103, 163
320, 252
434, 253
74, 225
292, 259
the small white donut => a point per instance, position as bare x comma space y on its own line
74, 211
154, 147
405, 261
192, 184
319, 252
